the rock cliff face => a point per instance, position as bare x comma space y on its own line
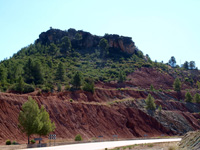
125, 44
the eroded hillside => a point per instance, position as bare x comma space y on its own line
113, 109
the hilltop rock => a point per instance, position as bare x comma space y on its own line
125, 44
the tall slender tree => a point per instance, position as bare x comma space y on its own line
60, 73
28, 71
65, 45
53, 49
77, 79
172, 62
177, 85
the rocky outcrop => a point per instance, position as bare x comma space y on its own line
124, 44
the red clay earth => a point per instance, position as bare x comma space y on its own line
92, 115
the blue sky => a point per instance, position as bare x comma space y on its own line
160, 28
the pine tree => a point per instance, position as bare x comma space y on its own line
186, 65
151, 87
33, 120
172, 62
122, 77
103, 44
65, 45
77, 80
60, 73
29, 118
53, 49
47, 125
20, 85
89, 85
188, 97
28, 71
150, 104
177, 85
3, 74
38, 73
197, 98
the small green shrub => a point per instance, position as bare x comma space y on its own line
71, 100
32, 141
46, 89
28, 88
8, 142
14, 143
78, 137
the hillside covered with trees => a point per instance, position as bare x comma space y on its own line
77, 59
98, 85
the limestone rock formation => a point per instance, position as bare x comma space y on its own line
124, 44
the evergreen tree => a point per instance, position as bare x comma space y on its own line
150, 104
3, 74
186, 65
103, 44
47, 125
197, 98
192, 65
89, 85
159, 108
172, 62
29, 118
188, 97
152, 88
65, 45
60, 73
77, 80
37, 73
177, 85
20, 85
28, 71
53, 49
122, 77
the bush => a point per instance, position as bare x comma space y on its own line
150, 104
152, 88
32, 141
14, 143
46, 89
8, 142
188, 97
197, 98
28, 88
78, 137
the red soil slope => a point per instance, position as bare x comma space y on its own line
89, 120
92, 115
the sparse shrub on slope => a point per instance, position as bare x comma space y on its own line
188, 97
177, 85
197, 98
78, 137
150, 104
8, 142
